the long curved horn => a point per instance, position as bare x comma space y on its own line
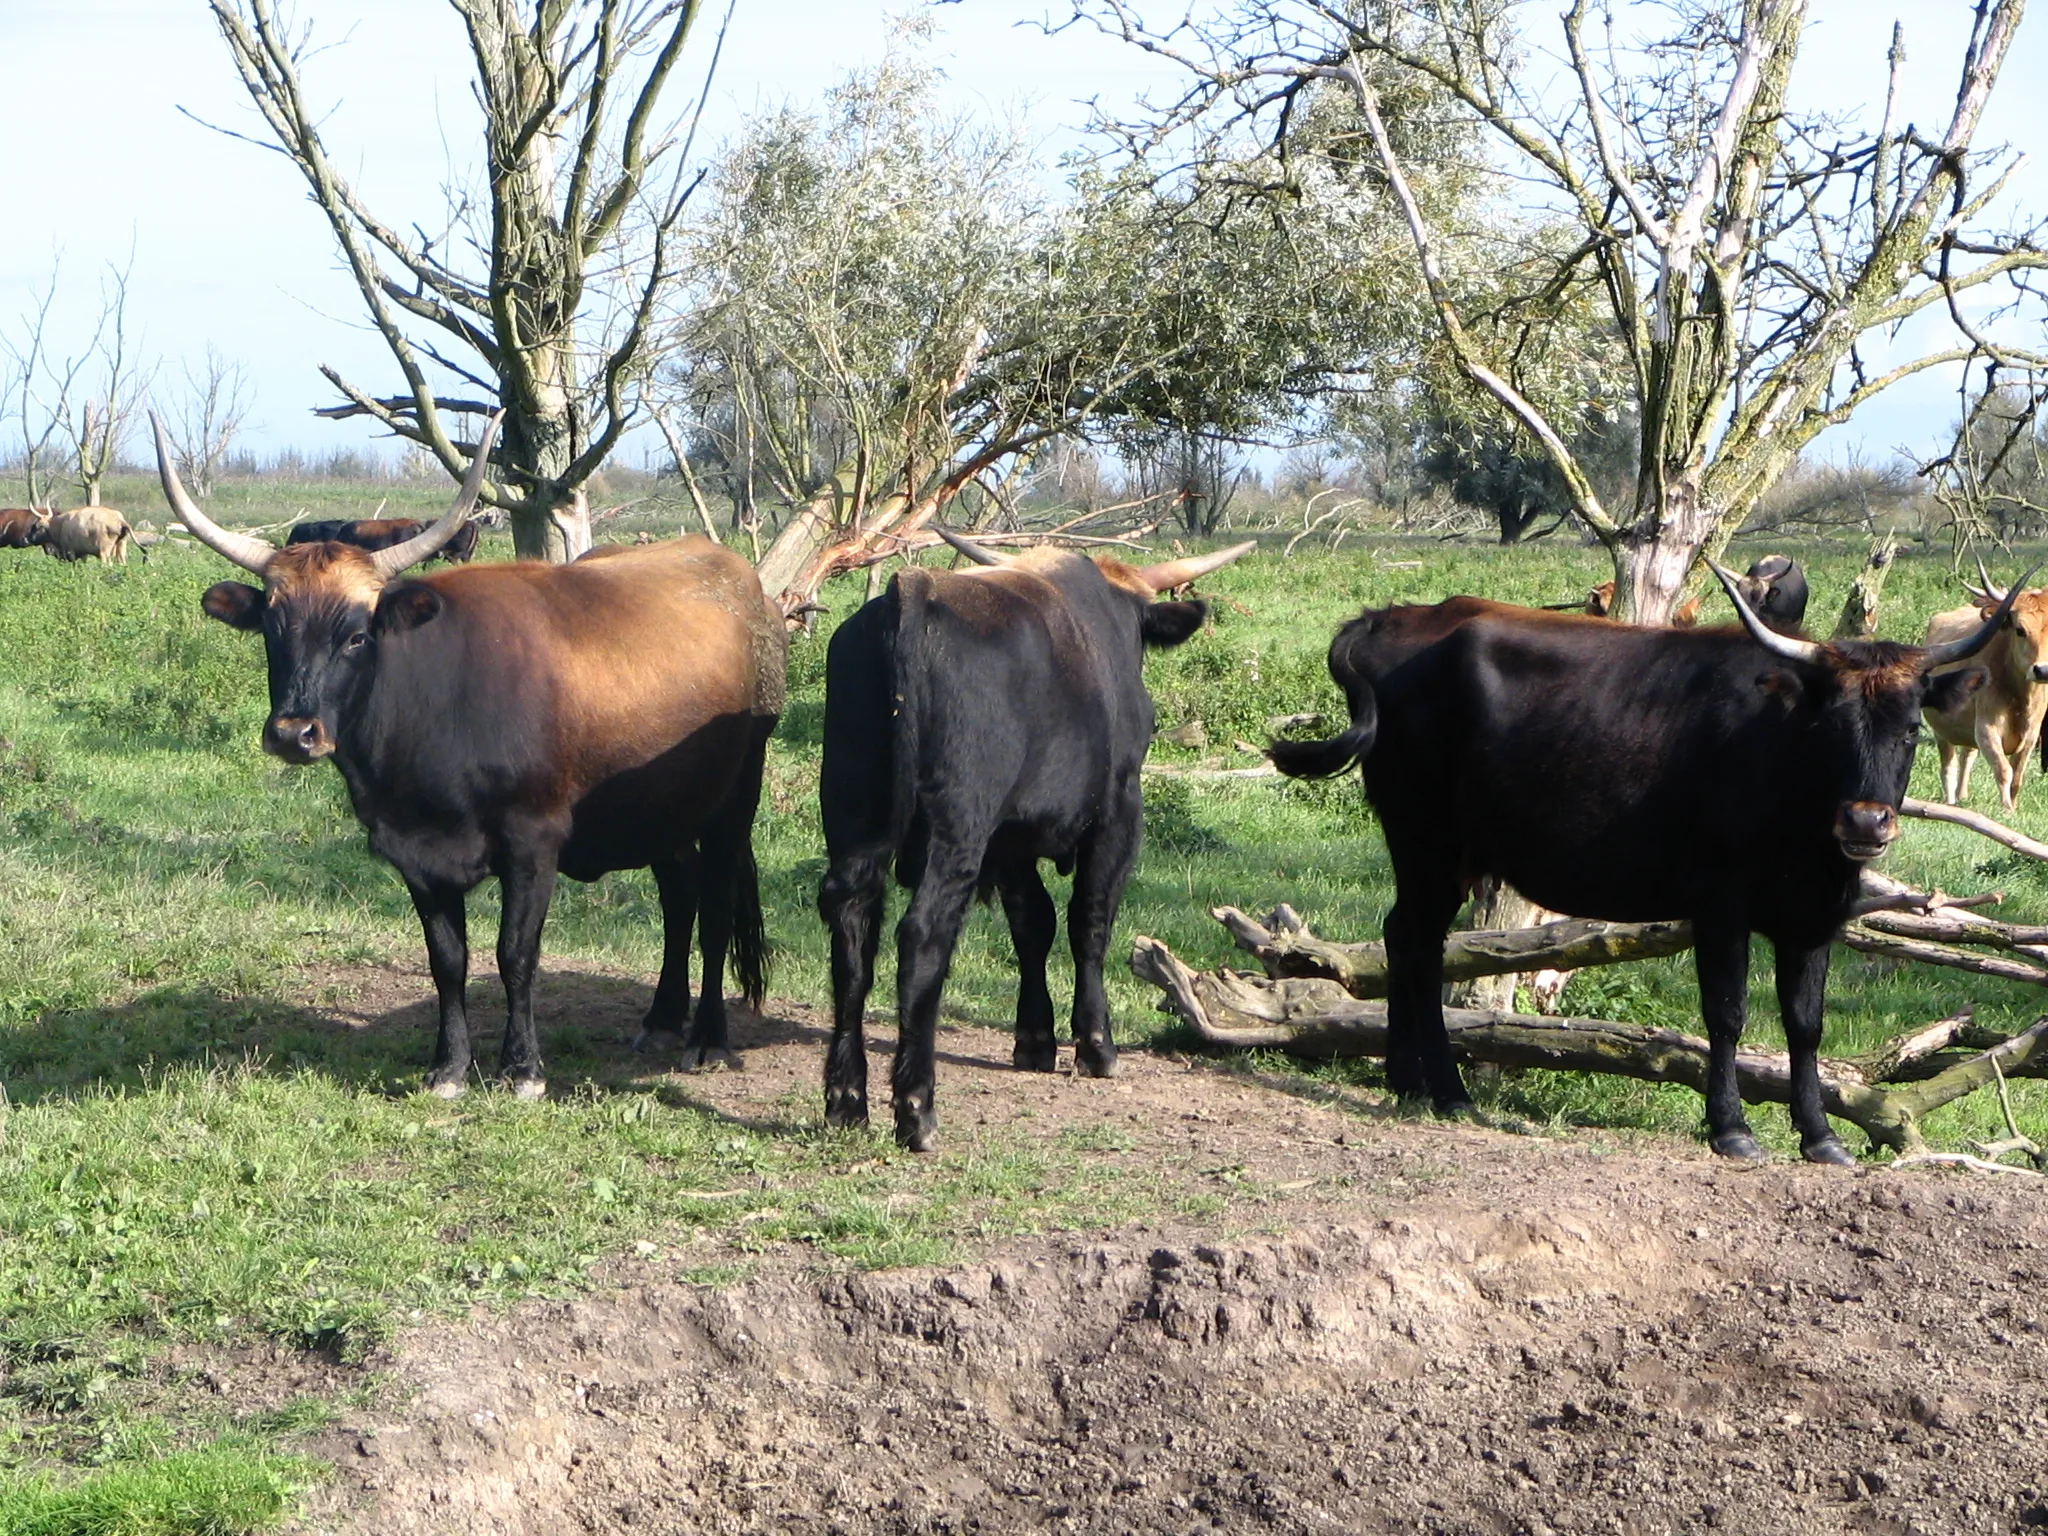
1778, 645
428, 541
1990, 592
250, 553
969, 548
1961, 650
1178, 573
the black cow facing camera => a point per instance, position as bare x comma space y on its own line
1736, 778
977, 722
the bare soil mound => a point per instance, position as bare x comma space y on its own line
1536, 1336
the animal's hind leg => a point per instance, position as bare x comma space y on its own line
718, 865
1106, 858
1419, 1057
1802, 1004
676, 879
1951, 774
850, 901
924, 954
1033, 922
445, 921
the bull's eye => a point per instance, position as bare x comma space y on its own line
354, 643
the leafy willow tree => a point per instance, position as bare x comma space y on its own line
893, 308
1743, 250
540, 291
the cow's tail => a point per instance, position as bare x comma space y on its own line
906, 698
749, 930
1321, 759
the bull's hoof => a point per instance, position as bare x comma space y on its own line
656, 1041
448, 1087
845, 1111
1091, 1061
1035, 1055
1454, 1109
709, 1058
917, 1133
529, 1088
1829, 1150
1738, 1144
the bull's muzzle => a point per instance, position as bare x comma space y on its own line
1865, 828
2040, 673
296, 739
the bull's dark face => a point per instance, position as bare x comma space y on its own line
1862, 705
323, 611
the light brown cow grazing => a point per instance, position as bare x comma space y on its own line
88, 531
2002, 719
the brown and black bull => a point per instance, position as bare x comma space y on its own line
975, 723
23, 527
524, 721
383, 533
1738, 780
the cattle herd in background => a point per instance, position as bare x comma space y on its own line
531, 721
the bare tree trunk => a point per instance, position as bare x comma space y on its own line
1859, 609
1498, 906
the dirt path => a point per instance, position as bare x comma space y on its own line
1451, 1330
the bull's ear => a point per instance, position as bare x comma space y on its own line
236, 604
405, 606
1949, 691
1781, 685
1171, 623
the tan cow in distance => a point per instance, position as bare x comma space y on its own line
86, 533
2002, 719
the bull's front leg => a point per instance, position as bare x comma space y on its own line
1802, 1005
527, 881
445, 921
1721, 957
1991, 744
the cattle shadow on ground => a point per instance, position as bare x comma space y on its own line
372, 1030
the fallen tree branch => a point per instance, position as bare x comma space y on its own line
1285, 947
1962, 1160
1956, 816
1315, 1016
1862, 939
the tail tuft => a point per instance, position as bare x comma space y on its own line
750, 954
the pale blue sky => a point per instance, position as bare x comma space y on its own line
94, 154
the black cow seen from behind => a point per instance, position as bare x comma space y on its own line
977, 722
376, 533
1738, 780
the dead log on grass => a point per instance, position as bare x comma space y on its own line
1318, 1017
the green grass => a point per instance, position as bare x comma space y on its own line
191, 1154
222, 1491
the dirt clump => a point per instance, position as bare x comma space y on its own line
1540, 1336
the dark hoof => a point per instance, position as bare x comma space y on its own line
846, 1111
1739, 1145
1829, 1150
528, 1087
1454, 1109
656, 1040
1035, 1056
1089, 1062
709, 1058
917, 1133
